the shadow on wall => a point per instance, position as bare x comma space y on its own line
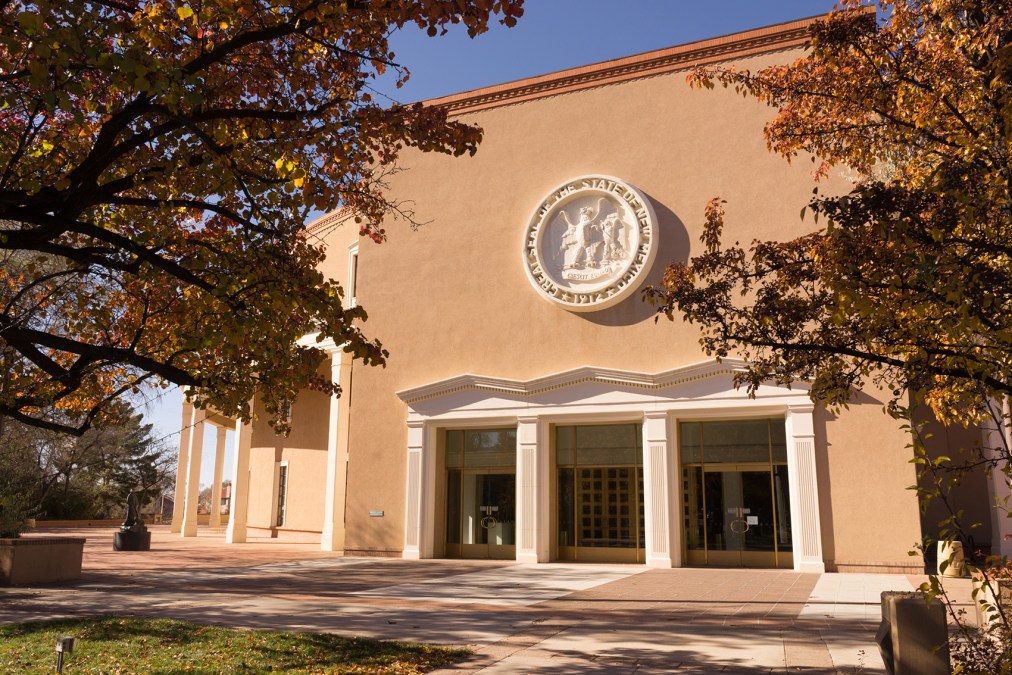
821, 418
967, 496
673, 246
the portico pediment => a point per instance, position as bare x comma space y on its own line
704, 383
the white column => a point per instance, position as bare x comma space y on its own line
997, 438
332, 538
184, 455
657, 491
414, 515
193, 473
806, 527
235, 533
530, 536
219, 464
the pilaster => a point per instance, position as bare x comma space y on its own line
806, 526
531, 537
415, 536
657, 497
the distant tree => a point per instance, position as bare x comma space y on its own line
204, 499
18, 480
158, 160
61, 476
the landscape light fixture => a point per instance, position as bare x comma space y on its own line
64, 645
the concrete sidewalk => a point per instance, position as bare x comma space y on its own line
518, 618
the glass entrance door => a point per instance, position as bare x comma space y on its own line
481, 488
737, 512
741, 527
489, 523
599, 493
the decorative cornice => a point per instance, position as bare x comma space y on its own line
768, 39
312, 340
333, 218
570, 378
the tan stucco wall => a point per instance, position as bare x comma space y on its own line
869, 513
968, 496
307, 486
452, 297
261, 488
305, 450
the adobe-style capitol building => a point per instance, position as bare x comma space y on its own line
532, 409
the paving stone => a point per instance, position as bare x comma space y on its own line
519, 618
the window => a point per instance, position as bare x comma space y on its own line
353, 275
600, 488
282, 493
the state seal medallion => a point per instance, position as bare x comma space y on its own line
590, 243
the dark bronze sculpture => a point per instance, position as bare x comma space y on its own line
132, 535
133, 517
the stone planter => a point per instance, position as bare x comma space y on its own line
40, 560
950, 556
985, 602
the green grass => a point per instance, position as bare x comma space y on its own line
119, 645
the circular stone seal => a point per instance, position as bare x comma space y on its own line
589, 244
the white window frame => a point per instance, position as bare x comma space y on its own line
281, 500
353, 275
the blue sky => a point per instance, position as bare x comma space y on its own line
552, 35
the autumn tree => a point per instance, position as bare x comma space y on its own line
158, 160
905, 280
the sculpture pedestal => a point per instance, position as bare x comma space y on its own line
128, 540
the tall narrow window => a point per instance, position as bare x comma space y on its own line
282, 493
353, 274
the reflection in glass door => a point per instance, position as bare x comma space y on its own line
737, 505
599, 493
481, 493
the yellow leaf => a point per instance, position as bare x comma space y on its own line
184, 12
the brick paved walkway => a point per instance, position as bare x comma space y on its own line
518, 618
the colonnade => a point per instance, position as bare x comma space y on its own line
187, 494
191, 440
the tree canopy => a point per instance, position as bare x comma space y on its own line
158, 160
906, 279
48, 474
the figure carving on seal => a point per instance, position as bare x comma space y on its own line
590, 243
577, 246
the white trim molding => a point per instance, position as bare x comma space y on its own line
592, 395
569, 378
313, 340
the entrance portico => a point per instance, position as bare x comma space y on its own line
604, 402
